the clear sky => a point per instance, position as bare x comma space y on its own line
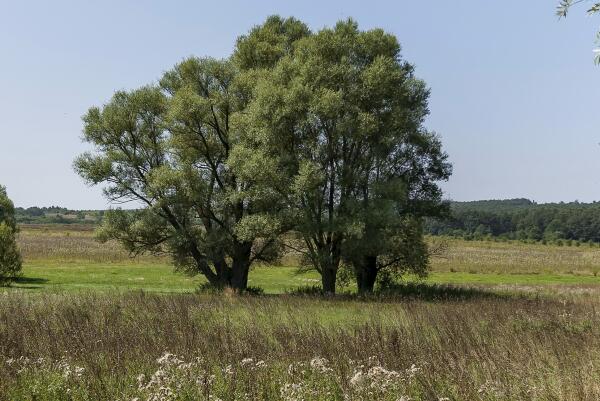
515, 93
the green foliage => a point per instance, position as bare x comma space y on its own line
265, 44
320, 133
10, 258
520, 219
338, 123
57, 215
168, 147
563, 9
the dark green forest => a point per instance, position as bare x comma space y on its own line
520, 219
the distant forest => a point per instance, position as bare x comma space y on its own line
520, 219
57, 215
514, 219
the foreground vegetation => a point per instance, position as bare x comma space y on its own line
480, 347
494, 321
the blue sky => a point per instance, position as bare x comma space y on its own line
515, 94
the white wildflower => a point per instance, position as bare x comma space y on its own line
247, 361
79, 371
168, 359
228, 370
358, 379
373, 361
320, 365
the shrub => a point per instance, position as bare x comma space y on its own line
10, 258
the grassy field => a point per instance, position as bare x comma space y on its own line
99, 346
59, 258
494, 321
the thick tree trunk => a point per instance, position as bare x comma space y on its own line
240, 266
328, 278
366, 274
204, 268
223, 273
329, 266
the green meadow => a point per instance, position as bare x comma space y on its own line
61, 258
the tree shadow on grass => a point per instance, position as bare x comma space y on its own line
31, 283
412, 291
439, 292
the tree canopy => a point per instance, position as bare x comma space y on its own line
341, 120
315, 134
167, 147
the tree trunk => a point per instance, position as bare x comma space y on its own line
329, 265
328, 278
223, 272
240, 266
366, 274
204, 268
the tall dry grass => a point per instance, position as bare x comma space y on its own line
71, 243
484, 348
76, 243
516, 258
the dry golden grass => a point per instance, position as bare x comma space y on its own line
508, 342
516, 258
483, 348
71, 243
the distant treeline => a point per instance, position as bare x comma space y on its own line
57, 215
514, 219
520, 219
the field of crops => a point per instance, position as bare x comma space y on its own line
494, 321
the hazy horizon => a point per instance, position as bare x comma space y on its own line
514, 91
130, 206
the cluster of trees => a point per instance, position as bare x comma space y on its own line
520, 219
10, 259
57, 215
307, 140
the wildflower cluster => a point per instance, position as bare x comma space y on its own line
63, 367
173, 377
376, 381
308, 380
55, 379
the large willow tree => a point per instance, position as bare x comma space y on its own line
167, 147
341, 119
318, 134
